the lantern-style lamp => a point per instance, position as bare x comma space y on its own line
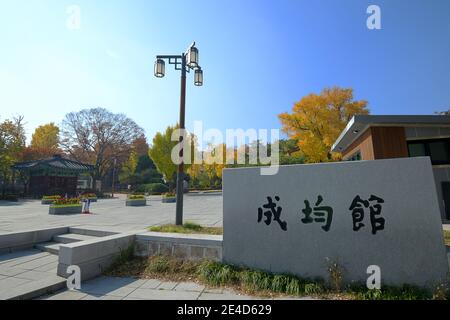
198, 77
192, 57
160, 68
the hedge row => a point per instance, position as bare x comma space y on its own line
152, 188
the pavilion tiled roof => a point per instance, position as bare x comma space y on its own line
56, 162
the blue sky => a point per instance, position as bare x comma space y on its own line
259, 57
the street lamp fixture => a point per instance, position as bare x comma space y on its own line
198, 77
185, 63
193, 57
160, 68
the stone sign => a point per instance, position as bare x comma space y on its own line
357, 214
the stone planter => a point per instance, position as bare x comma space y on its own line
65, 210
169, 200
47, 201
136, 203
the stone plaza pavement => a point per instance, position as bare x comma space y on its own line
32, 273
111, 214
28, 272
112, 288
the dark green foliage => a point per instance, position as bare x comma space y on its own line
150, 176
144, 163
147, 176
289, 152
9, 197
153, 188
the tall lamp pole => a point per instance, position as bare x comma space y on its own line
185, 63
113, 177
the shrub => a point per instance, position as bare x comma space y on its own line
442, 291
136, 197
158, 188
169, 195
66, 201
193, 226
94, 193
124, 256
141, 188
10, 197
51, 197
102, 195
336, 275
313, 288
88, 195
153, 188
158, 264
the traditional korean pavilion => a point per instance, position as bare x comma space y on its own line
52, 176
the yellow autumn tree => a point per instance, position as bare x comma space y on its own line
129, 168
211, 166
214, 161
161, 153
317, 120
46, 137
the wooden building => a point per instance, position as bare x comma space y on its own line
368, 137
52, 176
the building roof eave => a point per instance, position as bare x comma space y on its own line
360, 123
57, 163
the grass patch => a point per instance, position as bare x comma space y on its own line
154, 267
260, 283
405, 292
447, 237
188, 227
124, 257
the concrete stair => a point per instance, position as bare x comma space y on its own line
53, 246
50, 247
72, 237
42, 283
35, 289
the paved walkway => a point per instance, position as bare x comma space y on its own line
111, 214
111, 288
24, 273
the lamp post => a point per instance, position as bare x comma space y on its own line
113, 177
185, 63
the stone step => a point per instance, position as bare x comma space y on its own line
91, 232
50, 247
72, 237
35, 289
